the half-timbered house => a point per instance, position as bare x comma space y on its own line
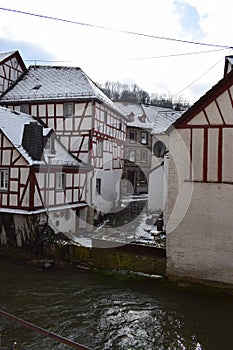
200, 188
138, 146
11, 67
86, 121
39, 180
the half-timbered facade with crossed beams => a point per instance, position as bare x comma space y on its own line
200, 188
11, 67
86, 121
39, 179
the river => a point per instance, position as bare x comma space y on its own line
104, 311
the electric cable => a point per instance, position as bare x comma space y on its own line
177, 55
186, 87
115, 30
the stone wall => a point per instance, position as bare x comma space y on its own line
130, 257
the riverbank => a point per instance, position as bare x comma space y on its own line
121, 262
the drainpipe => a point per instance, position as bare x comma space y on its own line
50, 156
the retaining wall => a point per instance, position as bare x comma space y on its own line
131, 257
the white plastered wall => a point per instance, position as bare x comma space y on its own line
199, 220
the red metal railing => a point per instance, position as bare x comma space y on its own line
43, 331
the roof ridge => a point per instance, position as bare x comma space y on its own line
8, 52
52, 66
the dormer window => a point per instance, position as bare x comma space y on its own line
37, 87
142, 118
131, 116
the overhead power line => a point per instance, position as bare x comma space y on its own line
115, 30
178, 54
193, 82
135, 58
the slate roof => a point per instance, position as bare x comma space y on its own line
12, 125
157, 119
42, 83
137, 111
4, 55
164, 121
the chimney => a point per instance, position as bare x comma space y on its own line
33, 140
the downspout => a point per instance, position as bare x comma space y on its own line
31, 189
90, 151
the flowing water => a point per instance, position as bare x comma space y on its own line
109, 312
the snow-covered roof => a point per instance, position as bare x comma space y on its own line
153, 112
164, 120
156, 119
12, 125
56, 83
136, 112
4, 55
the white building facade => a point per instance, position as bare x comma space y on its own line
200, 189
86, 122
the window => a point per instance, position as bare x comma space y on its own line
98, 186
143, 156
37, 87
142, 118
49, 146
68, 109
132, 156
144, 138
120, 126
60, 181
99, 150
4, 179
24, 108
130, 116
105, 117
132, 136
142, 177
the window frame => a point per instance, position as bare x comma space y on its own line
100, 148
4, 180
50, 146
66, 107
105, 117
98, 185
25, 108
132, 152
132, 140
60, 181
144, 137
142, 177
143, 156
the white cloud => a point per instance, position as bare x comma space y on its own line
109, 55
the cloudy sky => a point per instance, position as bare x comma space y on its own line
171, 67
